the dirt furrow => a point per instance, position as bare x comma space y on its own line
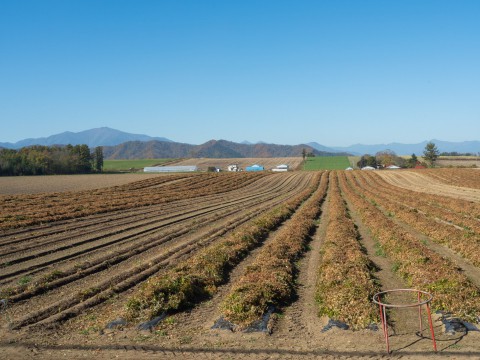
92, 223
96, 291
153, 225
421, 183
68, 316
463, 240
30, 210
454, 211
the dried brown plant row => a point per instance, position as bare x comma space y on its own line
346, 282
419, 266
432, 222
70, 227
99, 283
198, 277
457, 177
228, 207
23, 210
461, 212
420, 182
270, 280
11, 243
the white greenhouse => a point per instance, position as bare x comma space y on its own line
170, 169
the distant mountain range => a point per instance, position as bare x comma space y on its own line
121, 145
406, 149
211, 149
103, 136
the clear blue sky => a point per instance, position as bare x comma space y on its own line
336, 72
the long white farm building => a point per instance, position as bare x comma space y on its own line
281, 168
170, 169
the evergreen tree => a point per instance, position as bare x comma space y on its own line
98, 159
430, 153
412, 162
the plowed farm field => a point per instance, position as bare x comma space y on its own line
241, 266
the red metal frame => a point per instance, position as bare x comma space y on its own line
419, 303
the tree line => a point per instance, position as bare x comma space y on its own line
386, 158
51, 160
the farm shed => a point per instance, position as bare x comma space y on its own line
368, 168
282, 167
170, 169
255, 167
393, 167
349, 168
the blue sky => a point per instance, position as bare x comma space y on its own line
287, 72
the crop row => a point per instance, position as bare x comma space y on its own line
431, 221
270, 280
457, 177
23, 210
346, 282
419, 266
199, 276
70, 289
462, 212
96, 234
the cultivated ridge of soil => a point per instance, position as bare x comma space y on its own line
96, 262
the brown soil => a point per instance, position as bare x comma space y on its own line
11, 185
111, 254
416, 181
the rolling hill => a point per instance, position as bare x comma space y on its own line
210, 149
103, 136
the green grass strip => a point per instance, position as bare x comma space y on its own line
326, 163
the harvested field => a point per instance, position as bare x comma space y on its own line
436, 182
467, 161
163, 259
14, 185
267, 163
457, 177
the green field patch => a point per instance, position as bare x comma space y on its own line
326, 163
130, 165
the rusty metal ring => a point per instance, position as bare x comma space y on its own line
376, 298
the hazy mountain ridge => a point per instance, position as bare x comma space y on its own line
409, 149
103, 136
121, 145
210, 149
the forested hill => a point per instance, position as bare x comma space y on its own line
211, 149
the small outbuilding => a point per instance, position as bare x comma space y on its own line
233, 167
168, 169
393, 167
368, 168
254, 167
349, 168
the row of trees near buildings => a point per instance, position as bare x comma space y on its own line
387, 157
51, 160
